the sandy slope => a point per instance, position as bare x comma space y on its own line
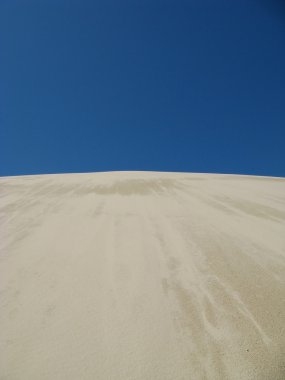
134, 275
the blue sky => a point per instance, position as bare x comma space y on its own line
195, 86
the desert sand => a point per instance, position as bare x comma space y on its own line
142, 276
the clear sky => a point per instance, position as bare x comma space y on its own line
99, 85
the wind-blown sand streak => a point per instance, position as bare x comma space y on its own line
142, 275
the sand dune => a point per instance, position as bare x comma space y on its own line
142, 276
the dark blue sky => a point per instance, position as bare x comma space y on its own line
196, 85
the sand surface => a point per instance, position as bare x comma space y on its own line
142, 276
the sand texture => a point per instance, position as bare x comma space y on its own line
142, 276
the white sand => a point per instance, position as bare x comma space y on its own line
136, 275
